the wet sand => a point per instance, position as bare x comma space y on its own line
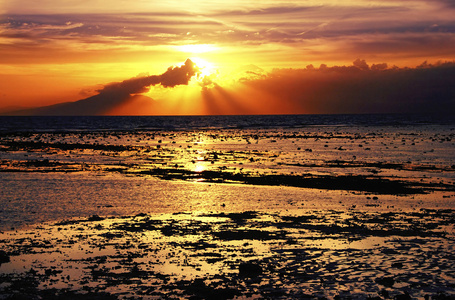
278, 214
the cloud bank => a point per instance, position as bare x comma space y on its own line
359, 88
355, 89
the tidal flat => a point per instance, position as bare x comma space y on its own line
327, 254
320, 212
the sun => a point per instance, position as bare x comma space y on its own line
205, 68
194, 51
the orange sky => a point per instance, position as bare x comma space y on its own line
59, 51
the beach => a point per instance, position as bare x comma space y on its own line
327, 210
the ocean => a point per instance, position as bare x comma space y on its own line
100, 123
326, 205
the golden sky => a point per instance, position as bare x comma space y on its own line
58, 51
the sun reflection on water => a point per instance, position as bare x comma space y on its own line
199, 167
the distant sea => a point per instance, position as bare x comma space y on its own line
138, 123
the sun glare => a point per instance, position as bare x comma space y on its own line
192, 50
197, 48
205, 68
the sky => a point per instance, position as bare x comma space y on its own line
245, 57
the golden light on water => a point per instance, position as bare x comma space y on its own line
200, 167
200, 162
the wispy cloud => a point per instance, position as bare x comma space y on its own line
308, 25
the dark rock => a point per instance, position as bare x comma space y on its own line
95, 218
397, 265
404, 296
442, 296
384, 293
4, 257
386, 281
250, 269
236, 235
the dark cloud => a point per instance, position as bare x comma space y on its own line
172, 77
361, 64
179, 75
362, 89
447, 3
